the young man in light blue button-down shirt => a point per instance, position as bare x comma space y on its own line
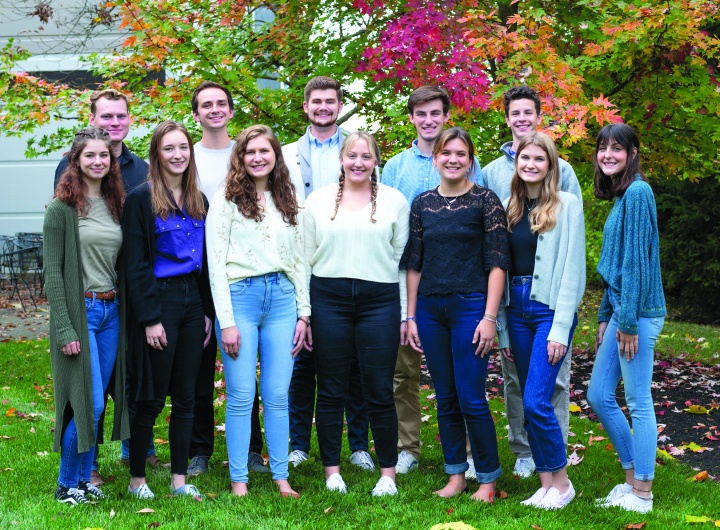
412, 172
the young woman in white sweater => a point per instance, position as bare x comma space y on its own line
544, 288
355, 233
258, 282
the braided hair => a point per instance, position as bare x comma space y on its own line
375, 150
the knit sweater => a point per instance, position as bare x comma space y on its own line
352, 246
72, 375
630, 259
497, 176
559, 273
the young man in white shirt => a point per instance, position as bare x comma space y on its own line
314, 162
213, 108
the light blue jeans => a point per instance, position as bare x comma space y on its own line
265, 315
636, 448
103, 335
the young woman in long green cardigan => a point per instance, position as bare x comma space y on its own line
82, 239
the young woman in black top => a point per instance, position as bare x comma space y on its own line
456, 260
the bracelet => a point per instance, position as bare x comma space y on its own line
303, 319
488, 316
411, 318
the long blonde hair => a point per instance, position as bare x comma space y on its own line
375, 150
543, 216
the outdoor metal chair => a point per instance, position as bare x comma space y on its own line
33, 240
16, 263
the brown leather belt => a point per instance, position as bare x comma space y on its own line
107, 295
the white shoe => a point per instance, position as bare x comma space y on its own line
536, 499
335, 483
296, 457
363, 460
406, 463
470, 473
632, 503
615, 493
554, 500
524, 467
143, 491
385, 486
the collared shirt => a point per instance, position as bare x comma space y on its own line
179, 244
134, 169
412, 173
325, 159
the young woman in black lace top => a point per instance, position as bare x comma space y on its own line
456, 260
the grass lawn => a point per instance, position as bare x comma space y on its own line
28, 473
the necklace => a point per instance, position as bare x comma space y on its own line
449, 202
530, 203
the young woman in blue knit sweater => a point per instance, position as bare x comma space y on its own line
631, 314
544, 288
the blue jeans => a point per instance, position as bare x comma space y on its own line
636, 448
446, 324
265, 315
529, 324
103, 335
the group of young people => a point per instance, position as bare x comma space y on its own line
437, 256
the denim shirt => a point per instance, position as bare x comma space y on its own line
412, 173
325, 159
179, 240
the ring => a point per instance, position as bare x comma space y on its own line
556, 351
155, 341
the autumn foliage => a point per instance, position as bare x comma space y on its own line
651, 64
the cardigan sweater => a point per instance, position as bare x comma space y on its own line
72, 375
630, 259
139, 251
559, 273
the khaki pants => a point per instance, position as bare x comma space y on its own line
406, 386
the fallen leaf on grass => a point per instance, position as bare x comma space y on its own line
536, 527
503, 494
700, 477
697, 519
594, 439
112, 513
425, 418
635, 526
574, 459
459, 525
12, 411
211, 496
155, 524
575, 408
696, 409
695, 448
160, 441
94, 528
449, 511
146, 510
328, 510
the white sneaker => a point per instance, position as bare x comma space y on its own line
406, 463
554, 500
296, 457
363, 460
632, 503
385, 486
524, 467
615, 493
335, 483
143, 491
536, 499
470, 473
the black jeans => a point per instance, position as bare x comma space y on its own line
174, 373
355, 319
202, 442
301, 401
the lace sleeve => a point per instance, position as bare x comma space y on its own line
412, 257
496, 245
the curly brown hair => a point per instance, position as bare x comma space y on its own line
72, 189
160, 196
240, 187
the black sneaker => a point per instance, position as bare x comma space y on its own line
90, 490
71, 496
